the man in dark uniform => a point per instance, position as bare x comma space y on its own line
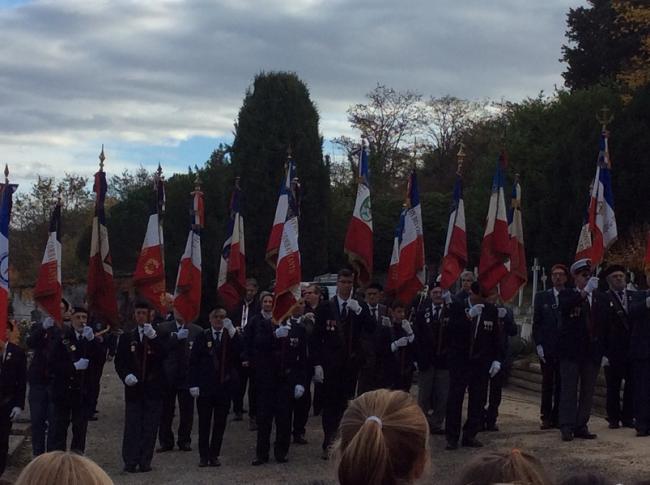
617, 363
546, 328
639, 318
579, 350
213, 375
397, 349
278, 354
313, 297
178, 336
13, 380
103, 340
475, 355
369, 378
305, 320
431, 348
73, 349
138, 363
249, 307
337, 339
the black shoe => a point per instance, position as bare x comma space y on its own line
93, 418
584, 434
471, 443
130, 469
163, 449
628, 424
613, 426
546, 425
238, 417
300, 440
203, 463
437, 431
215, 462
491, 427
260, 461
451, 446
184, 447
642, 432
325, 455
281, 459
145, 468
567, 435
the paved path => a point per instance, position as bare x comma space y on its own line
616, 453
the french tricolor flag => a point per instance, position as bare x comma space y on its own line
47, 292
358, 240
601, 231
288, 270
273, 246
6, 202
411, 267
231, 284
392, 280
187, 295
517, 270
149, 276
495, 248
455, 256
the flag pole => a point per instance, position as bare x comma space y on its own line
158, 179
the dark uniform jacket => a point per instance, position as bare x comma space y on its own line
617, 326
13, 378
40, 341
67, 348
213, 363
639, 318
431, 337
145, 361
474, 340
276, 360
177, 353
398, 368
580, 335
253, 308
546, 322
337, 338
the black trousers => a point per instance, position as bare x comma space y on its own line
494, 398
213, 415
141, 419
641, 370
274, 404
94, 381
338, 387
73, 409
551, 386
301, 412
42, 418
615, 374
576, 399
185, 417
5, 429
472, 377
317, 400
246, 377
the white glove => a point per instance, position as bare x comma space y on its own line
182, 334
406, 326
495, 368
298, 391
88, 333
48, 322
476, 310
130, 380
446, 296
540, 353
502, 312
81, 364
230, 328
604, 362
283, 330
149, 331
353, 306
319, 376
15, 413
385, 321
194, 392
591, 285
310, 316
400, 342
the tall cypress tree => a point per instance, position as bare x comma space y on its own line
278, 115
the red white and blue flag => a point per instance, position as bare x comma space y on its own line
288, 270
102, 301
358, 240
517, 270
48, 290
187, 295
600, 231
455, 257
6, 202
149, 276
495, 248
392, 280
411, 271
231, 285
281, 211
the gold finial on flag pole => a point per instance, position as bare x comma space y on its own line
102, 157
604, 117
6, 173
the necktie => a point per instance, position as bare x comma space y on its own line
436, 312
374, 313
344, 309
141, 334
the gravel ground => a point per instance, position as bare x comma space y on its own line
616, 453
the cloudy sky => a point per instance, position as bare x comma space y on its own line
163, 80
